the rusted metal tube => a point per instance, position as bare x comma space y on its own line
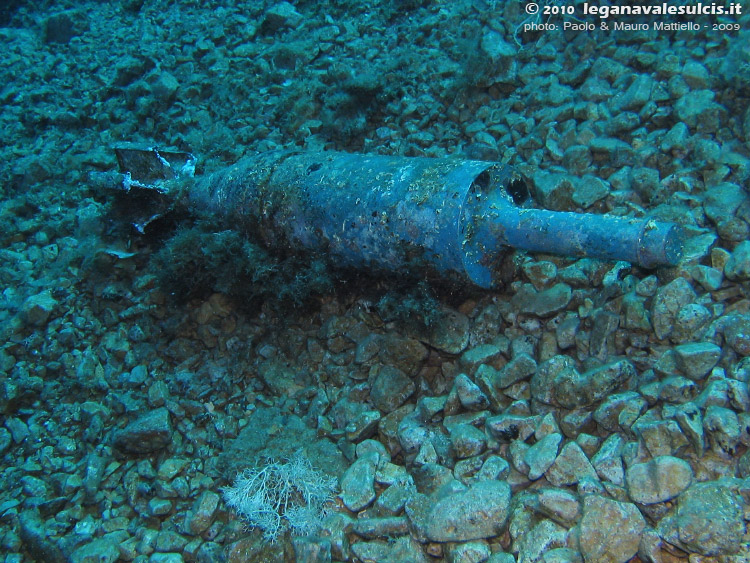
447, 217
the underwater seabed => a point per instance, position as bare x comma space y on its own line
190, 391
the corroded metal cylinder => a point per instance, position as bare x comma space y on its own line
447, 217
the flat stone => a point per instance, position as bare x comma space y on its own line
559, 504
543, 303
358, 483
658, 480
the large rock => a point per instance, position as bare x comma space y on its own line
610, 530
573, 390
148, 433
696, 359
479, 512
391, 388
358, 483
658, 480
37, 309
708, 519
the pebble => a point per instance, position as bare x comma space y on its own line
541, 455
280, 16
668, 302
722, 427
690, 419
470, 552
737, 334
519, 368
570, 467
709, 278
470, 394
738, 266
660, 437
450, 333
544, 536
699, 111
467, 440
607, 461
402, 549
101, 550
201, 515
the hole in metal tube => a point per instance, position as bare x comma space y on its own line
517, 190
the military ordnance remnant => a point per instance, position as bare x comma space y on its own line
448, 217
